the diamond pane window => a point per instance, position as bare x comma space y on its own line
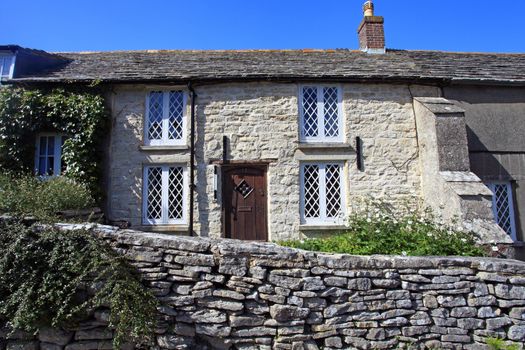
175, 193
310, 122
322, 193
155, 115
165, 118
164, 195
154, 194
321, 116
48, 154
503, 207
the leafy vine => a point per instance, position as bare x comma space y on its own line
80, 114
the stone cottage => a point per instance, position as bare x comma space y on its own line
277, 144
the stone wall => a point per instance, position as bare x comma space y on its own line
227, 294
261, 122
448, 185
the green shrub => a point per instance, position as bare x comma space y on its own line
55, 278
500, 344
379, 230
27, 195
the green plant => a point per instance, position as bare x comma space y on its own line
379, 230
26, 195
500, 344
79, 114
55, 278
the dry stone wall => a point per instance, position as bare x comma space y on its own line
227, 294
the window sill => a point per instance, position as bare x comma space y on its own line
307, 146
176, 229
165, 148
327, 227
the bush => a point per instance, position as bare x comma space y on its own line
26, 195
500, 344
378, 230
55, 278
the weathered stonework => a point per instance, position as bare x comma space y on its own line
228, 294
261, 121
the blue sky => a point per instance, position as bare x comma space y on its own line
82, 25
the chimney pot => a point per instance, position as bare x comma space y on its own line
371, 31
368, 9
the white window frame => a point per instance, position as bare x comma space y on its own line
3, 56
165, 141
322, 219
57, 153
510, 201
320, 114
164, 193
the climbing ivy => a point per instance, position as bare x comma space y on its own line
81, 114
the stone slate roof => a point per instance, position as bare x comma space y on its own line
341, 65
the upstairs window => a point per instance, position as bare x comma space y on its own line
503, 206
48, 156
164, 195
7, 61
165, 120
321, 114
322, 193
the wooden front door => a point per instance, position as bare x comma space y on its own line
245, 200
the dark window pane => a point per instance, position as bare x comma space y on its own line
50, 165
43, 146
50, 145
42, 166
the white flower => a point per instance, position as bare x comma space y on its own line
377, 231
495, 248
404, 253
464, 240
368, 220
429, 234
409, 222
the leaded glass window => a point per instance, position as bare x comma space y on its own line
322, 194
503, 206
321, 114
164, 194
165, 120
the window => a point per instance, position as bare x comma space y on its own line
7, 61
321, 114
48, 155
322, 193
503, 206
165, 120
164, 194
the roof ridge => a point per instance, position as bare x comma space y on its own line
202, 50
304, 50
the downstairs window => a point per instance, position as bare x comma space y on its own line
322, 193
164, 194
48, 155
503, 206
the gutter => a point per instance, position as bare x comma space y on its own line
192, 157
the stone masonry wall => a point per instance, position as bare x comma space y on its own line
228, 294
261, 121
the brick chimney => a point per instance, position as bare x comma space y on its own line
371, 31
